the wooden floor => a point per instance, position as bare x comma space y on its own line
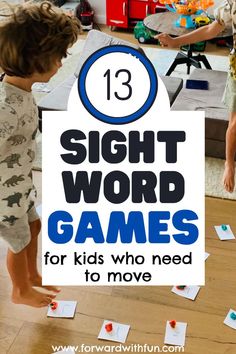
25, 330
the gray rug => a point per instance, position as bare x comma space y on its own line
161, 59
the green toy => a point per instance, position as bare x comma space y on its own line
143, 34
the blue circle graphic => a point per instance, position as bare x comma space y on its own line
124, 119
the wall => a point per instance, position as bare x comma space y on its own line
99, 7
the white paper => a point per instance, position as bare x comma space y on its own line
119, 332
175, 336
189, 292
228, 321
206, 255
224, 234
65, 309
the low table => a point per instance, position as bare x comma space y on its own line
210, 101
164, 22
57, 99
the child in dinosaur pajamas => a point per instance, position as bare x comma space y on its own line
34, 37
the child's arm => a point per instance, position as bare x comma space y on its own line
200, 34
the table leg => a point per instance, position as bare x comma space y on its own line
183, 58
204, 60
188, 59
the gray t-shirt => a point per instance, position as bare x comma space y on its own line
18, 128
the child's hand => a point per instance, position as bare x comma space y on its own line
166, 40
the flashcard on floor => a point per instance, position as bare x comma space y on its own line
113, 331
65, 309
175, 335
189, 292
224, 232
230, 319
206, 255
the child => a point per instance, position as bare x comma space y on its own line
225, 17
34, 37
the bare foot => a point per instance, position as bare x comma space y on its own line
37, 281
31, 297
228, 177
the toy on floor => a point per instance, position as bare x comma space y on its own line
63, 309
187, 8
84, 13
113, 331
54, 305
109, 327
230, 319
143, 34
189, 292
175, 333
224, 232
180, 287
172, 323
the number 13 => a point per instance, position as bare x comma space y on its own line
125, 83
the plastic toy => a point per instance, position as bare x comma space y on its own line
224, 227
53, 305
84, 13
172, 323
233, 316
187, 8
181, 287
201, 21
108, 327
143, 34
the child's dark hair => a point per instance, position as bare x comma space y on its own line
32, 36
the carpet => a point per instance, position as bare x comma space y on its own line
161, 60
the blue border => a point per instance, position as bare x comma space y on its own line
125, 119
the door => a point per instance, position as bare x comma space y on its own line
117, 13
138, 9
